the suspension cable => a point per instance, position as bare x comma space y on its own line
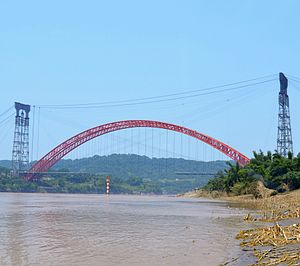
163, 98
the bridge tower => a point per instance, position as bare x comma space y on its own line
20, 152
284, 136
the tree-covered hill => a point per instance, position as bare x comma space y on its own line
129, 165
130, 172
5, 163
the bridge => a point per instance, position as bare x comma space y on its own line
52, 157
21, 135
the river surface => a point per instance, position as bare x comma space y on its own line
68, 229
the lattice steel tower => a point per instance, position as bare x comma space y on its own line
20, 153
284, 137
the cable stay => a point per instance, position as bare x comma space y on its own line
165, 98
7, 110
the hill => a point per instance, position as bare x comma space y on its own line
5, 163
172, 175
128, 165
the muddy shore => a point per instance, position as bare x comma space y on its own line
273, 226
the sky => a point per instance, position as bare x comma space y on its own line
78, 52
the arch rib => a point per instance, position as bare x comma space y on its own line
52, 157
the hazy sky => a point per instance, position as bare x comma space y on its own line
66, 52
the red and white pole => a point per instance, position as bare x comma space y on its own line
107, 185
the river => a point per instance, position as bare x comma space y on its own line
69, 229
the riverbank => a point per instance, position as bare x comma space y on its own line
273, 234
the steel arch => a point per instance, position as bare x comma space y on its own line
52, 157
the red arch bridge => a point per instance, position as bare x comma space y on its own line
52, 157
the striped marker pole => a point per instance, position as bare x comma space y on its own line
107, 185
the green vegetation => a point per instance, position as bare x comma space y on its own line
14, 184
70, 183
276, 172
129, 174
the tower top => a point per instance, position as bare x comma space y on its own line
24, 107
283, 83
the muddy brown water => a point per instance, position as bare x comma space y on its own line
68, 229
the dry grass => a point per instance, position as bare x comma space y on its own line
274, 257
273, 209
270, 236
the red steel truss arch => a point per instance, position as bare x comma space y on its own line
52, 157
